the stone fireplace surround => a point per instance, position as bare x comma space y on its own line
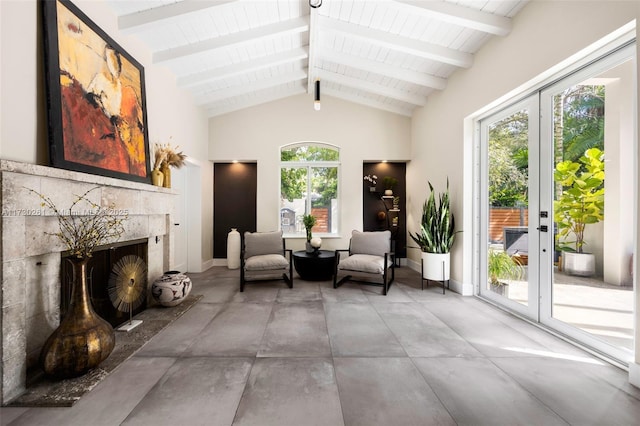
30, 296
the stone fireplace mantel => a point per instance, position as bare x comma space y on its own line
31, 257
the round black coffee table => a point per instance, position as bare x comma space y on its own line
314, 266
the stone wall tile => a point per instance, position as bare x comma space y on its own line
14, 377
157, 224
63, 200
123, 199
13, 238
43, 284
14, 282
38, 236
13, 331
17, 200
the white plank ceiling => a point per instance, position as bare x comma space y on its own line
233, 54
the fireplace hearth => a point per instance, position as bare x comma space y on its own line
32, 257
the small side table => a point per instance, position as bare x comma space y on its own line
317, 266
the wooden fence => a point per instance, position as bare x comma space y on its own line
501, 217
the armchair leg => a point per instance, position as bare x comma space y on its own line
288, 280
342, 281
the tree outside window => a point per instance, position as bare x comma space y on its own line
309, 185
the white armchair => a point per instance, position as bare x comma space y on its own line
370, 255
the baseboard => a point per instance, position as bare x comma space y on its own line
218, 262
207, 264
634, 374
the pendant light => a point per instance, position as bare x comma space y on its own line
316, 101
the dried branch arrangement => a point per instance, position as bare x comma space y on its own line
86, 225
165, 153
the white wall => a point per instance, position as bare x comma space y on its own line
170, 111
544, 34
361, 133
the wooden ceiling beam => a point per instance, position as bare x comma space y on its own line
383, 69
459, 15
398, 43
279, 29
244, 67
209, 100
163, 15
366, 86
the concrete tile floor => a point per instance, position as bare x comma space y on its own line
313, 355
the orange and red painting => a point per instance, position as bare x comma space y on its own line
97, 118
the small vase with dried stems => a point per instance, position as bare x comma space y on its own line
165, 157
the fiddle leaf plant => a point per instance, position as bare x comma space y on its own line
582, 200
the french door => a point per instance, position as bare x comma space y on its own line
558, 179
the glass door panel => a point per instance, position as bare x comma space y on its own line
505, 258
588, 175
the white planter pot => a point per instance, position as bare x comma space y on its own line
580, 264
435, 266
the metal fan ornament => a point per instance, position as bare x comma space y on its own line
127, 285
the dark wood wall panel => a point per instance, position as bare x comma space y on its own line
372, 203
234, 202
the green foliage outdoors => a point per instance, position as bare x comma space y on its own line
437, 227
583, 120
324, 180
508, 161
501, 266
582, 199
581, 126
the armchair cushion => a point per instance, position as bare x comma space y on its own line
259, 243
266, 262
363, 263
374, 243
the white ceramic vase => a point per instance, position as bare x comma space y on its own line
233, 249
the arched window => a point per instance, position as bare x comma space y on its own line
309, 185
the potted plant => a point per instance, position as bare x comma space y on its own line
312, 244
436, 236
501, 267
580, 204
389, 183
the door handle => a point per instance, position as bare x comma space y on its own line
543, 228
176, 224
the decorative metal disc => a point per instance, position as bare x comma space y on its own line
127, 283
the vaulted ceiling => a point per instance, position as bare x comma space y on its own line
233, 54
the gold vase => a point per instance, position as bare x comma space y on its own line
166, 171
83, 339
157, 177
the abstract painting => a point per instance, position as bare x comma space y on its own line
95, 98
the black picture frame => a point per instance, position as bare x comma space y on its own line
96, 101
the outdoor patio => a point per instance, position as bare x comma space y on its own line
603, 310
